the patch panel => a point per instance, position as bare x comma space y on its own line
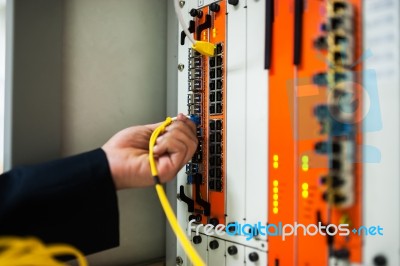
241, 83
293, 105
323, 129
340, 121
197, 102
195, 75
215, 152
216, 81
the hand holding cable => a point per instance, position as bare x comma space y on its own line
128, 152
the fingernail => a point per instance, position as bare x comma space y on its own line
155, 149
182, 116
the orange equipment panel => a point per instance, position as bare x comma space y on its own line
314, 174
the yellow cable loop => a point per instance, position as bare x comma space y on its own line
169, 213
31, 251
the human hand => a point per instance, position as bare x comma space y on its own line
128, 152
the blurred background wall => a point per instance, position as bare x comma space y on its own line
81, 70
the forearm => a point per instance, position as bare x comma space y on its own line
71, 200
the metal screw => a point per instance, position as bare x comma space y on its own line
181, 67
179, 261
181, 3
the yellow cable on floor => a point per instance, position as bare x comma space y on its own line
169, 213
31, 251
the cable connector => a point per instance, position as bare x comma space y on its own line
205, 48
195, 119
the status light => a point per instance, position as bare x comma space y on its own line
275, 163
304, 192
304, 161
275, 190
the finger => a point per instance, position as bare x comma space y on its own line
186, 137
181, 126
174, 149
187, 121
182, 117
167, 169
165, 145
159, 139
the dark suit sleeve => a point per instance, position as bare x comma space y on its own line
71, 200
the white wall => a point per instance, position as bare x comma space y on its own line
113, 77
77, 72
2, 75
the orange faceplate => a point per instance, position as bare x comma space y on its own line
294, 166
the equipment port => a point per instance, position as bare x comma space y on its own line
212, 97
195, 85
218, 185
219, 84
219, 60
195, 62
212, 85
219, 72
219, 48
218, 173
212, 73
212, 61
212, 109
218, 124
195, 73
212, 149
219, 108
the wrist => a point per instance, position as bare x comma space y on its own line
113, 165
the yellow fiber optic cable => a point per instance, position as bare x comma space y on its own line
31, 251
169, 213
